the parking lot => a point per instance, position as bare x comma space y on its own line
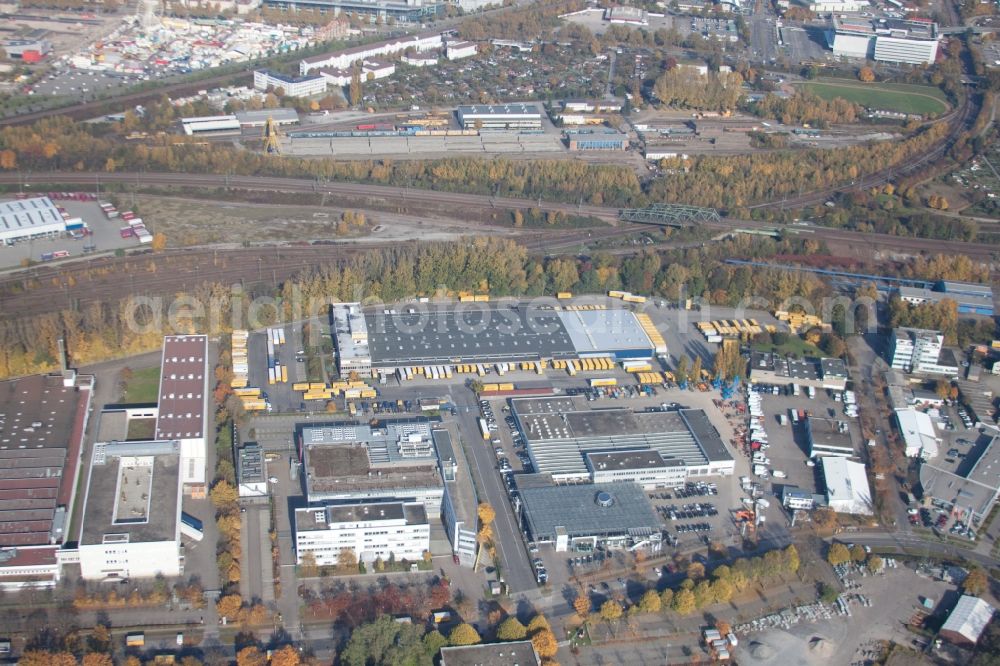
787, 445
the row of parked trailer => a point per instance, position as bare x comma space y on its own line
276, 372
350, 390
135, 228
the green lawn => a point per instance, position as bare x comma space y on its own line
143, 386
795, 346
900, 97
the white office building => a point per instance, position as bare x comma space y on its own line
648, 468
346, 58
912, 42
915, 350
459, 50
370, 531
132, 512
837, 6
293, 86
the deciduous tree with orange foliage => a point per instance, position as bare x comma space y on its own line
286, 656
251, 656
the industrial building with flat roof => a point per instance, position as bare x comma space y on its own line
828, 437
846, 483
347, 462
971, 491
617, 514
42, 424
500, 116
771, 368
25, 219
251, 474
513, 653
969, 298
183, 404
919, 437
560, 431
383, 341
131, 524
911, 42
376, 530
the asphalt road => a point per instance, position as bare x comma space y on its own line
514, 563
913, 543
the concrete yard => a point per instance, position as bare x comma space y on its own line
105, 236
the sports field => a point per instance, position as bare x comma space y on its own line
900, 97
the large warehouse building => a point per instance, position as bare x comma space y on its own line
502, 116
847, 489
42, 424
25, 219
383, 342
560, 432
970, 491
183, 405
132, 512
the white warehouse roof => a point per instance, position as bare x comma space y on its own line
969, 619
847, 489
918, 433
25, 218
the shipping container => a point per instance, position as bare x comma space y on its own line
249, 391
301, 386
631, 298
563, 295
270, 375
603, 381
618, 294
571, 368
284, 373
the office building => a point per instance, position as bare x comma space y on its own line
647, 467
293, 86
132, 511
847, 489
251, 473
797, 499
346, 58
912, 42
459, 50
397, 530
183, 405
921, 351
393, 459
